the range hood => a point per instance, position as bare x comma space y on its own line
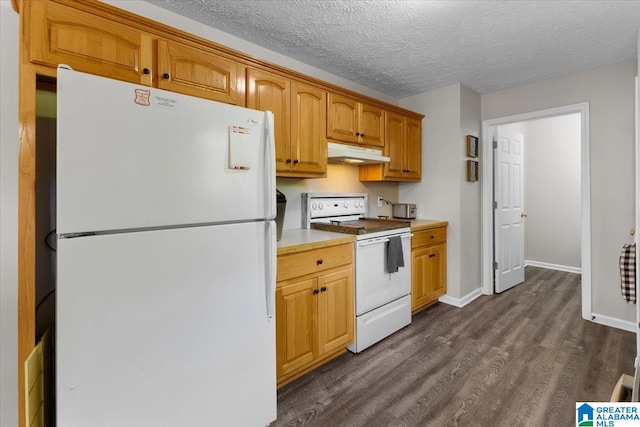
349, 155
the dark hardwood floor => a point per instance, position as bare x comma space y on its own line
520, 358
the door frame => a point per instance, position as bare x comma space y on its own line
488, 127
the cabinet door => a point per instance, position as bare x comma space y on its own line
429, 274
198, 73
308, 130
296, 320
420, 273
267, 91
394, 145
335, 310
87, 43
371, 125
438, 271
413, 149
342, 118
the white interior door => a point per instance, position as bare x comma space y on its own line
508, 212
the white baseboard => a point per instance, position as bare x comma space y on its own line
550, 266
625, 325
461, 302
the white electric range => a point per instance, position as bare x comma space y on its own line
382, 299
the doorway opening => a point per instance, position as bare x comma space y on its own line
489, 128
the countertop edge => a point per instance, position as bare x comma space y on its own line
328, 239
427, 224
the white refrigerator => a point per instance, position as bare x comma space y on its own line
166, 258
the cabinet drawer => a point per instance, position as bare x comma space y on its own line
309, 262
427, 237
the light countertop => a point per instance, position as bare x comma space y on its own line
427, 224
301, 239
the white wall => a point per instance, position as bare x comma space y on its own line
470, 196
8, 215
438, 195
552, 167
451, 113
610, 93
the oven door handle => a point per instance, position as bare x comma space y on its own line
372, 242
379, 240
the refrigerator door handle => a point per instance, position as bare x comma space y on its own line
270, 282
270, 156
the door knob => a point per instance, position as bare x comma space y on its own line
523, 215
632, 232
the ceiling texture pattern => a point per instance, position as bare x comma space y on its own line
406, 47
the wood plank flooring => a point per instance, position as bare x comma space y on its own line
520, 358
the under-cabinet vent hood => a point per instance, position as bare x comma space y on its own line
350, 155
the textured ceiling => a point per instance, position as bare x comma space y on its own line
406, 47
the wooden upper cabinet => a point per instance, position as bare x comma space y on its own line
349, 120
299, 112
413, 149
394, 148
371, 125
271, 92
403, 144
308, 124
199, 73
342, 118
89, 43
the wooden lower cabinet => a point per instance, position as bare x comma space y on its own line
428, 267
314, 319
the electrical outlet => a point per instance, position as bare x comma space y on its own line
379, 201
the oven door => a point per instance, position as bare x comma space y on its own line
375, 286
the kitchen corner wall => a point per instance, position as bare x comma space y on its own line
451, 113
9, 146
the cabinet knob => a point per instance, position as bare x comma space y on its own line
323, 289
319, 262
362, 134
166, 76
146, 71
433, 237
432, 255
296, 161
316, 292
288, 161
357, 133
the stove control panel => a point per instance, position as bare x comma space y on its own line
331, 205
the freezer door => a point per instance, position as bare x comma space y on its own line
167, 328
131, 157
